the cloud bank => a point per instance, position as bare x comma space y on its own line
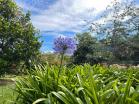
63, 15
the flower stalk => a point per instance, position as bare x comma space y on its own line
64, 45
60, 68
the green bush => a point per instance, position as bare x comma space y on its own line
79, 85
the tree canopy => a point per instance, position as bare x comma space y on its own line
119, 25
85, 49
18, 37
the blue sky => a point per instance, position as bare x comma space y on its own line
62, 17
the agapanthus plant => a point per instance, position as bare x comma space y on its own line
64, 45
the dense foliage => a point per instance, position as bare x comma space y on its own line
18, 39
119, 32
92, 50
135, 48
85, 49
79, 85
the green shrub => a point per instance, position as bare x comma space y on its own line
79, 85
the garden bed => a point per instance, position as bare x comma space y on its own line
6, 82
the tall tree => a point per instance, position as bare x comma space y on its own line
85, 49
135, 47
119, 24
18, 37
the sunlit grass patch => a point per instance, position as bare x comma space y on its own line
7, 94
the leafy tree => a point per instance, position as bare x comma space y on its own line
135, 47
119, 24
102, 50
18, 39
135, 39
85, 49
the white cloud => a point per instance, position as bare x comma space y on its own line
67, 15
137, 11
27, 7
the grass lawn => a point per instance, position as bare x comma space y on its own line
7, 94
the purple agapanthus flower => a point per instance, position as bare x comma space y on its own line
64, 45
